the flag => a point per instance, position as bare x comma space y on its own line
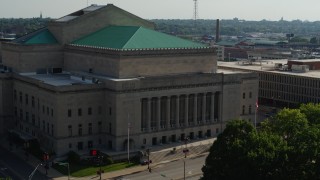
257, 105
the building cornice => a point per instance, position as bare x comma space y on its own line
143, 52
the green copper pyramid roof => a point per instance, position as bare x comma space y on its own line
42, 36
133, 37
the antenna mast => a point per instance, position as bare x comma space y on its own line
195, 15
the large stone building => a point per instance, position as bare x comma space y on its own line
80, 82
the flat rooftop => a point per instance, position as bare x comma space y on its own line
71, 78
269, 66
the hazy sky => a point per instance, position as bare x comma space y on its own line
172, 9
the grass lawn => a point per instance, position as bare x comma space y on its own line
78, 170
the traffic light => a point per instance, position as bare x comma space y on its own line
94, 152
46, 156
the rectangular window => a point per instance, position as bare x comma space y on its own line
27, 116
69, 113
51, 112
110, 111
43, 126
90, 128
43, 109
80, 130
89, 111
48, 111
79, 112
20, 97
32, 101
70, 130
21, 115
27, 99
33, 118
99, 126
110, 127
51, 129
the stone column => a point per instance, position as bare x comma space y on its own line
212, 108
149, 116
177, 111
186, 111
195, 114
204, 108
168, 112
159, 113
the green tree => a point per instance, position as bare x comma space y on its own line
240, 152
285, 147
312, 112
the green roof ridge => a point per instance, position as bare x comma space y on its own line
130, 38
133, 37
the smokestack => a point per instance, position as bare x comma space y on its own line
218, 31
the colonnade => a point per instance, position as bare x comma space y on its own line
179, 111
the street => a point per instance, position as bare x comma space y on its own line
16, 168
172, 170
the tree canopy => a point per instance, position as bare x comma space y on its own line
286, 146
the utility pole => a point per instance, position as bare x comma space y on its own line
129, 124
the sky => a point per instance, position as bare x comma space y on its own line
172, 9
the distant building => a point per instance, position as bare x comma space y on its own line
283, 83
81, 82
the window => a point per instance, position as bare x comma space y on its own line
144, 141
110, 111
26, 96
51, 112
52, 129
70, 145
27, 116
32, 101
79, 112
48, 111
90, 128
48, 128
249, 109
70, 130
89, 111
33, 118
43, 110
20, 96
21, 115
99, 126
110, 126
43, 126
250, 94
243, 109
69, 113
80, 130
243, 95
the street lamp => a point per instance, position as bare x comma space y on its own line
185, 151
